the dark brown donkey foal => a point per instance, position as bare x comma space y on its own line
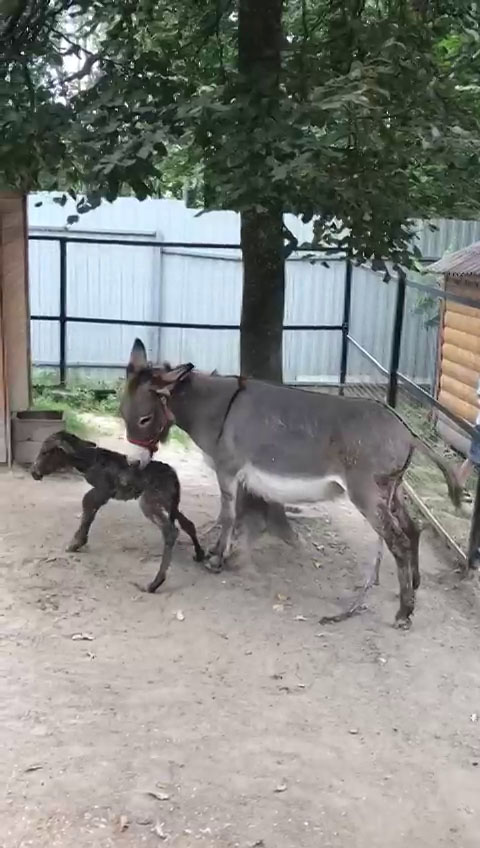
156, 487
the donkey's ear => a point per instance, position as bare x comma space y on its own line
138, 357
174, 375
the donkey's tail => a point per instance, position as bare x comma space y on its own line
454, 488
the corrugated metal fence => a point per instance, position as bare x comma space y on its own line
201, 285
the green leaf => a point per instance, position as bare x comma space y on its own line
372, 121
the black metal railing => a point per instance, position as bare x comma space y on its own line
393, 374
395, 379
63, 318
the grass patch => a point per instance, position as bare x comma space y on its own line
73, 419
84, 402
180, 437
102, 398
76, 400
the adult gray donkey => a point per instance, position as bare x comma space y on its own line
287, 446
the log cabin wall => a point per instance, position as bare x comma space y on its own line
460, 355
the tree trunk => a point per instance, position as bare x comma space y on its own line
261, 327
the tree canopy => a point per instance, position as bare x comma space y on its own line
375, 119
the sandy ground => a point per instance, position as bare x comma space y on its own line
246, 723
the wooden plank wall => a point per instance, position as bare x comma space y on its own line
16, 317
4, 410
460, 358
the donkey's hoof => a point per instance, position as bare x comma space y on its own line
199, 556
152, 587
402, 622
73, 547
214, 563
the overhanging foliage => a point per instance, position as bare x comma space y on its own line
376, 120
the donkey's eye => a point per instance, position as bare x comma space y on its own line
144, 420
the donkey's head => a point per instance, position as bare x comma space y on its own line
144, 406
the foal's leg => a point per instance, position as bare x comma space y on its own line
189, 528
92, 501
161, 518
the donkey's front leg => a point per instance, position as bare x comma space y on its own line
92, 501
228, 492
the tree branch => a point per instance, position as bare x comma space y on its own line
29, 84
292, 242
86, 68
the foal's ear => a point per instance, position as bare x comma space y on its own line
138, 358
62, 441
69, 443
163, 393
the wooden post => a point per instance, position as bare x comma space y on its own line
14, 314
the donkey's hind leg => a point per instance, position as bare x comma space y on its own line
364, 494
410, 527
375, 575
382, 508
189, 528
161, 518
386, 514
358, 604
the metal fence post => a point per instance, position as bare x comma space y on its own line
396, 340
347, 299
473, 552
63, 311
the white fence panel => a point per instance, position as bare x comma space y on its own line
201, 285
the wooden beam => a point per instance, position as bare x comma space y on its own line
16, 314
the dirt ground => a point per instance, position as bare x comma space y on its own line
242, 721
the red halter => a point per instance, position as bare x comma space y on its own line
151, 446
